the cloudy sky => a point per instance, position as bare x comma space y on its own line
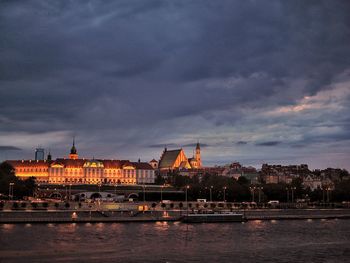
253, 81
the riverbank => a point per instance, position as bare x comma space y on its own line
85, 216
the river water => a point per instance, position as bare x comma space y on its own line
254, 241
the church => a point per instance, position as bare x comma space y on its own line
176, 159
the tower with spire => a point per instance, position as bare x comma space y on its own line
73, 151
198, 155
49, 156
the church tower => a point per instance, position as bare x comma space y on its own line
49, 157
73, 152
198, 155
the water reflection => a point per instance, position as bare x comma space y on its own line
161, 226
256, 224
100, 226
66, 228
254, 241
7, 228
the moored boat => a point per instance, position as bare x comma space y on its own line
213, 218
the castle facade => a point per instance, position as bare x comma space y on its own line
73, 170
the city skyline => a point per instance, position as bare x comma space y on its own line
254, 82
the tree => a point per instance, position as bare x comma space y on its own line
344, 174
275, 192
160, 179
21, 188
15, 205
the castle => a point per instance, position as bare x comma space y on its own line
73, 170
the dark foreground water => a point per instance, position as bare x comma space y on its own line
255, 241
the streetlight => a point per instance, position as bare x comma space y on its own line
287, 194
224, 193
293, 188
260, 188
187, 186
161, 193
328, 190
211, 196
144, 193
323, 198
11, 190
115, 189
66, 190
70, 191
252, 189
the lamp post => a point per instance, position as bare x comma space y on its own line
252, 189
115, 189
328, 190
260, 188
323, 198
293, 188
287, 194
211, 195
161, 193
70, 191
11, 190
187, 186
224, 193
144, 193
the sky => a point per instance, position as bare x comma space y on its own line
253, 81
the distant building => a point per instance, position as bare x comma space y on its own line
273, 174
312, 182
84, 171
39, 154
154, 164
236, 170
176, 159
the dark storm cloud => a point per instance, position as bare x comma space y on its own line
9, 148
159, 146
202, 145
241, 143
270, 143
146, 73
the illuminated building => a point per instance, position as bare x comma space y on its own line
84, 171
176, 159
73, 152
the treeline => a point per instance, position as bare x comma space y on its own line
21, 188
213, 187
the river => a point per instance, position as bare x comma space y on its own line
253, 241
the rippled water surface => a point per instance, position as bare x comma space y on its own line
255, 241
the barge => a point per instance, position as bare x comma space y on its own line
213, 218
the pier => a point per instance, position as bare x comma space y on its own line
149, 212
